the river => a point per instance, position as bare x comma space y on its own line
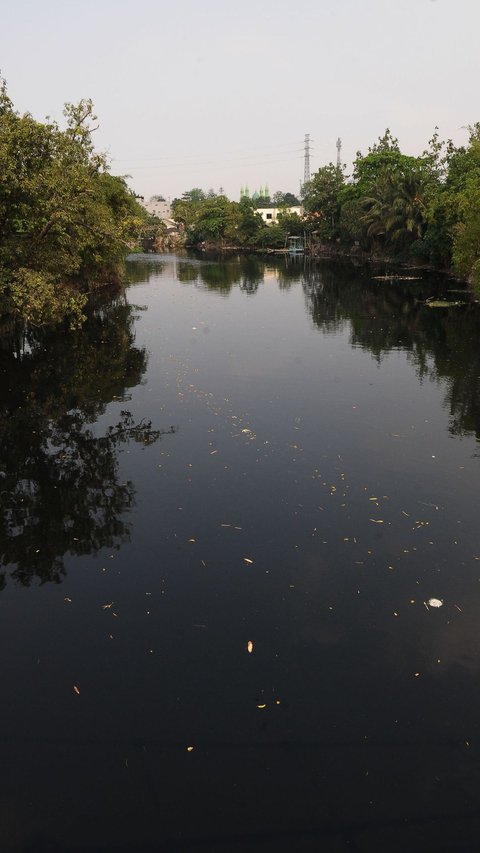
240, 585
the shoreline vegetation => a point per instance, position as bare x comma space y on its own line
67, 224
422, 211
417, 211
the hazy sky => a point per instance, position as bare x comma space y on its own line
216, 93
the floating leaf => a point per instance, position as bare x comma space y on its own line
444, 303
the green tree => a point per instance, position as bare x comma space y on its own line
466, 234
281, 199
389, 194
450, 235
213, 219
291, 223
244, 222
195, 194
395, 211
66, 224
322, 201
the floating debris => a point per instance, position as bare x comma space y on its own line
435, 602
249, 647
394, 277
444, 303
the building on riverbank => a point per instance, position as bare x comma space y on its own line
157, 206
270, 214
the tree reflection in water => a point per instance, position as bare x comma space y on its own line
383, 316
59, 481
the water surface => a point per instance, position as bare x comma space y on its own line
226, 505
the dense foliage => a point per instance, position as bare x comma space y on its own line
423, 208
210, 218
65, 223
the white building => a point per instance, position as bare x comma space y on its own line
270, 214
158, 208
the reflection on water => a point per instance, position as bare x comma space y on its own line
59, 480
241, 653
381, 315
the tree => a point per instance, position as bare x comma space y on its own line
213, 219
451, 210
466, 234
195, 194
285, 199
395, 211
244, 221
291, 223
322, 200
65, 222
390, 192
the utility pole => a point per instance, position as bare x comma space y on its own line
306, 170
339, 149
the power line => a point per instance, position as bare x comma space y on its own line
200, 165
238, 152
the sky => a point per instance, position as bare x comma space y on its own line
214, 93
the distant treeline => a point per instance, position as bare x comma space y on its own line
424, 209
211, 218
66, 224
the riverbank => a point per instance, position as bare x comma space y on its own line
335, 252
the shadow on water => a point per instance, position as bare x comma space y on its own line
59, 480
352, 724
381, 314
384, 316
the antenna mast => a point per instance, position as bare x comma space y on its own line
339, 150
306, 170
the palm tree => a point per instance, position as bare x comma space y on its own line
395, 211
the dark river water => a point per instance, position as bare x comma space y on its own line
240, 583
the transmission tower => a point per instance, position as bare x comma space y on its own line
306, 170
339, 152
